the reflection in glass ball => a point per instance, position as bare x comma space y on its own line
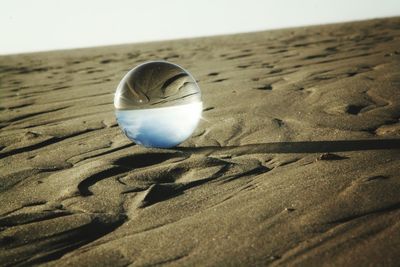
158, 104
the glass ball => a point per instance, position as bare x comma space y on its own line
158, 104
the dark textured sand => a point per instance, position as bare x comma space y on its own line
296, 163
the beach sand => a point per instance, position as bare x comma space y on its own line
296, 162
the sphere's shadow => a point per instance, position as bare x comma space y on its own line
302, 146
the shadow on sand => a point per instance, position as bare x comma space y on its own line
300, 147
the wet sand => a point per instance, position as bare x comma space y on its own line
296, 162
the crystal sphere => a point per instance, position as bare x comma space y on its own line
158, 104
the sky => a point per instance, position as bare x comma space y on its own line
41, 25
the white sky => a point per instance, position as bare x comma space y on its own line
38, 25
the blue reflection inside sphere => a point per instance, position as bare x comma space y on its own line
158, 104
160, 127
